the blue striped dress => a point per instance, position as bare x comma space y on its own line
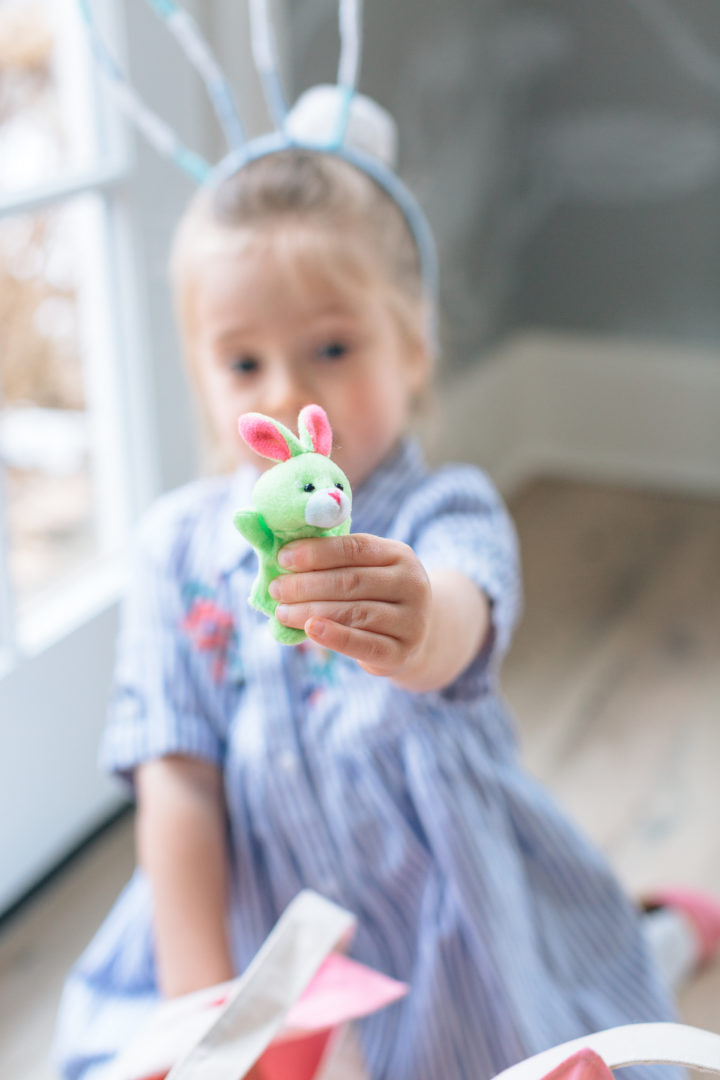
409, 809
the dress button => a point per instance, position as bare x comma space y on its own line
287, 761
329, 888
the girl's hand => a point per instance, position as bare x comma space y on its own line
360, 595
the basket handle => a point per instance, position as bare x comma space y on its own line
633, 1044
308, 931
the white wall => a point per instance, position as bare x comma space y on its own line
596, 407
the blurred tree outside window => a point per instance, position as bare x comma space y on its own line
51, 256
85, 216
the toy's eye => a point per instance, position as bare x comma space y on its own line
309, 487
339, 485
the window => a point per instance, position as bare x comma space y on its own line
64, 494
94, 415
93, 418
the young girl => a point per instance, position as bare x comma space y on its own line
376, 762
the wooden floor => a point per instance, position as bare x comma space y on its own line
614, 676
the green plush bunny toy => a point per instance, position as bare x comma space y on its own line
304, 495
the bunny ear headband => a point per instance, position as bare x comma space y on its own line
326, 119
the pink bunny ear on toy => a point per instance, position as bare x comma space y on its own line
315, 431
268, 437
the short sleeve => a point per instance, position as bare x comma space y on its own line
458, 521
158, 704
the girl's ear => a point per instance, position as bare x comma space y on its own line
268, 437
314, 429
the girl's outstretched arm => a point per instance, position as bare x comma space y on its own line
181, 837
458, 626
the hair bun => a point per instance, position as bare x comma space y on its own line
313, 121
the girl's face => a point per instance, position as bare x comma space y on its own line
269, 336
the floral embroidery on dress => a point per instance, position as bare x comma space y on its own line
212, 631
320, 671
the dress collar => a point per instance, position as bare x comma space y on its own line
375, 501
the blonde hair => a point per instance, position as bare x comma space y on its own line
315, 190
326, 202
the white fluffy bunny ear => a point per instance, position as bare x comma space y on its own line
317, 118
314, 430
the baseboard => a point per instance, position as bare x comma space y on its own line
44, 882
593, 407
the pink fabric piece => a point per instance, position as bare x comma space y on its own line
342, 990
584, 1065
262, 436
298, 1059
315, 420
700, 909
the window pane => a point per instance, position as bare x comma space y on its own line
53, 346
47, 127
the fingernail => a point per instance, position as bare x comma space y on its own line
316, 628
285, 558
274, 589
282, 612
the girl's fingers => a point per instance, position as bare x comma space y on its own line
377, 653
348, 583
330, 552
377, 616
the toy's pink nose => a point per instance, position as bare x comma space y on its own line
334, 495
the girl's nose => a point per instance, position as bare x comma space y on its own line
284, 397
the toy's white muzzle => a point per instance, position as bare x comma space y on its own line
328, 508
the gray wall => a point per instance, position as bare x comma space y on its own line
624, 136
567, 153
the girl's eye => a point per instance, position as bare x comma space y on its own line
334, 350
309, 487
339, 485
244, 365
